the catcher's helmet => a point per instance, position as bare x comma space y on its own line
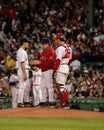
59, 36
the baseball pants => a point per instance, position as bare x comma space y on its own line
37, 94
47, 86
24, 88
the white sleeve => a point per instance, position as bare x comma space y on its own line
60, 52
70, 49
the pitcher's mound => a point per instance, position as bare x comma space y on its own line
48, 112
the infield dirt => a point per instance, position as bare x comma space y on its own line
48, 112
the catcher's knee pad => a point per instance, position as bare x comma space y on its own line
62, 87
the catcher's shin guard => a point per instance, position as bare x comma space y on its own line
65, 97
60, 94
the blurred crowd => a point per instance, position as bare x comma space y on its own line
37, 19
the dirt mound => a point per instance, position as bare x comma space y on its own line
48, 112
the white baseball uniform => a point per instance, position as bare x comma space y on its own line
63, 55
37, 92
24, 85
13, 80
63, 69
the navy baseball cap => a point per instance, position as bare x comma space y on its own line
46, 41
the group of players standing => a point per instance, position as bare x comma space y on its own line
52, 62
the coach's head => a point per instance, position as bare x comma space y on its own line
45, 43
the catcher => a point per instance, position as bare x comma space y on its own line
61, 67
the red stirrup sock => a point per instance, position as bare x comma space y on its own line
65, 97
61, 98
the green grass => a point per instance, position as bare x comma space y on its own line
29, 123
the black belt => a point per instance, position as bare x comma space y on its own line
27, 69
64, 64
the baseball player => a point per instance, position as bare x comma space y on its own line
23, 74
36, 81
13, 81
61, 67
46, 62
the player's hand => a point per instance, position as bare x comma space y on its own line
35, 62
31, 62
25, 77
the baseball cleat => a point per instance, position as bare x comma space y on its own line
51, 104
57, 106
37, 106
42, 104
27, 104
21, 105
66, 108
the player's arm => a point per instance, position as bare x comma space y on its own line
56, 65
70, 58
50, 60
24, 70
35, 62
58, 58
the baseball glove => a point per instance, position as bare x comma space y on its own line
30, 74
